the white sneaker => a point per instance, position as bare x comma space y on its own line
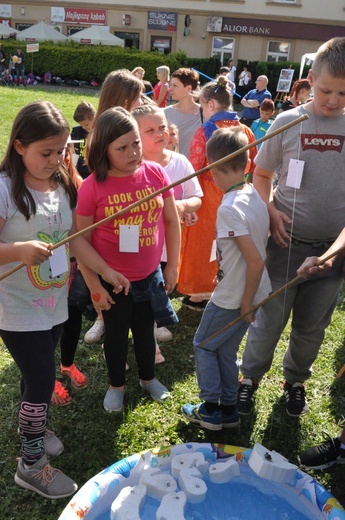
96, 332
163, 334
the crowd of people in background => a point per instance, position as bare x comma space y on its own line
120, 274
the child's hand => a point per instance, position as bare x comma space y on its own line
170, 278
250, 318
190, 218
116, 279
101, 300
33, 252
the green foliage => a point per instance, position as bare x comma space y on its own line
83, 62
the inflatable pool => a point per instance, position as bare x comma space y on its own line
205, 482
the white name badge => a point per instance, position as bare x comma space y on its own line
58, 261
129, 239
213, 255
295, 173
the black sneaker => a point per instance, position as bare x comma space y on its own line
245, 396
195, 306
296, 404
324, 455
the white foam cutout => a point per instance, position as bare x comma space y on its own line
191, 483
157, 483
188, 460
271, 465
221, 472
172, 507
128, 502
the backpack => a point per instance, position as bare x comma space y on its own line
47, 77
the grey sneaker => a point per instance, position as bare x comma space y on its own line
53, 447
157, 391
44, 480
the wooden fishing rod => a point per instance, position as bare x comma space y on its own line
166, 188
272, 295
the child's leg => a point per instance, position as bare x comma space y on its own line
70, 336
216, 367
33, 353
117, 323
144, 339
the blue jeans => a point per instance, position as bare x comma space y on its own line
216, 367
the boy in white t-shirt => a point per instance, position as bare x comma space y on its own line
241, 235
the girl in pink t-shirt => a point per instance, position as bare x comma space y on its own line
133, 242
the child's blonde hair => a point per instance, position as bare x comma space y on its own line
219, 91
148, 110
331, 55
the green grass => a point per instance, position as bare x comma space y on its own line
94, 439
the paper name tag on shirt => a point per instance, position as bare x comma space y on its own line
295, 173
129, 239
213, 255
58, 261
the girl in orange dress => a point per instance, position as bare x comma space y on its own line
198, 266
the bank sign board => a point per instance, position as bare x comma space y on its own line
272, 28
161, 21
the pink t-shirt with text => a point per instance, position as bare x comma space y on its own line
101, 199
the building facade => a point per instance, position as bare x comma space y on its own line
264, 30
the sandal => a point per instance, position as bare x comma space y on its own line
78, 379
60, 396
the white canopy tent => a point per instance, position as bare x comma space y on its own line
97, 35
6, 31
41, 32
309, 56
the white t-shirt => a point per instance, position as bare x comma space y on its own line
241, 213
178, 168
31, 299
232, 74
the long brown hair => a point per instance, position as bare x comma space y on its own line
120, 89
34, 122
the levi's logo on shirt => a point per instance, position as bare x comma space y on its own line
322, 142
231, 233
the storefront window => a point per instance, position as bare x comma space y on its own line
132, 40
22, 26
161, 44
278, 51
223, 48
74, 29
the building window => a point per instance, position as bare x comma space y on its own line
132, 40
22, 26
278, 51
223, 48
73, 29
161, 44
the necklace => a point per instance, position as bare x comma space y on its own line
237, 185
